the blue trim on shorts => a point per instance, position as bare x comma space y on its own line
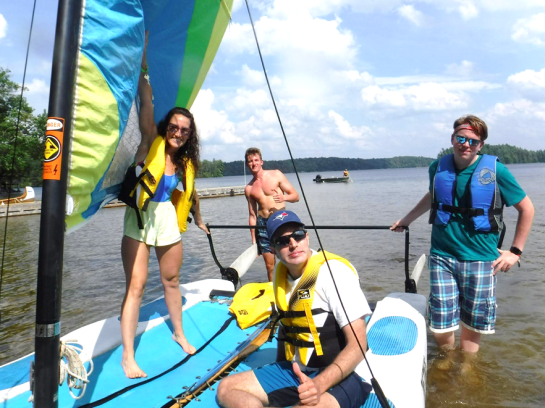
461, 290
280, 384
262, 238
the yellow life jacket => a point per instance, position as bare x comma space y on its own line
252, 303
298, 327
154, 168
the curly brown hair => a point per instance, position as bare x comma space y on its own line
191, 149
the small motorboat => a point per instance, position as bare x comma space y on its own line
320, 179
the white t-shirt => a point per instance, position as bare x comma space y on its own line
326, 298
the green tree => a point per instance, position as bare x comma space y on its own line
212, 168
25, 140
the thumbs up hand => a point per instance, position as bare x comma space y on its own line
308, 392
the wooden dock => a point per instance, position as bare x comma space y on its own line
21, 209
16, 210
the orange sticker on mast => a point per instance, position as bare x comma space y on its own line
54, 137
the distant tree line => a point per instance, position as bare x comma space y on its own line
507, 154
317, 164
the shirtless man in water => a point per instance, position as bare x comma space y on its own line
266, 194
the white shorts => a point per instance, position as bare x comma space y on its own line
160, 224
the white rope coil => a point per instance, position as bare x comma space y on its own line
73, 369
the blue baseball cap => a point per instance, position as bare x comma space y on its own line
281, 218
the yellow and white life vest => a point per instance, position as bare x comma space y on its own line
154, 169
299, 329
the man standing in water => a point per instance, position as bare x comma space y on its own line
266, 193
466, 196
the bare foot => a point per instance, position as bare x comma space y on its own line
445, 359
445, 364
468, 368
131, 368
182, 341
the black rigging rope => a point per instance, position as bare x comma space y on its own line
378, 390
15, 151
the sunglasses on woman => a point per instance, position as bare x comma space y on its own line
284, 240
472, 142
173, 129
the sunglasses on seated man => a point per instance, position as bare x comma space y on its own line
463, 139
284, 241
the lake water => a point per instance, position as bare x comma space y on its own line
511, 367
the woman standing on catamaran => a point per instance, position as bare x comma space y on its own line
171, 154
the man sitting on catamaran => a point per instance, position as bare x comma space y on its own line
266, 193
466, 196
321, 334
168, 158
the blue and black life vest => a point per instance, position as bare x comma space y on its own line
486, 203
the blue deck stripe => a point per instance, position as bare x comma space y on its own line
373, 402
392, 335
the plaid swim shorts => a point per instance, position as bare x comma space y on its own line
461, 290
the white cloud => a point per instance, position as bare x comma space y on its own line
237, 4
470, 86
502, 5
468, 10
519, 123
464, 69
530, 30
413, 15
423, 97
256, 78
37, 94
245, 99
238, 39
530, 84
252, 78
3, 26
355, 76
213, 125
37, 86
294, 36
521, 109
347, 131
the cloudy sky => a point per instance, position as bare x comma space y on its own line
352, 78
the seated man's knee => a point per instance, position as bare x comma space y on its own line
223, 387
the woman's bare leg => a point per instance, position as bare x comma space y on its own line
135, 255
170, 262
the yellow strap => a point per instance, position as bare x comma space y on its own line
312, 327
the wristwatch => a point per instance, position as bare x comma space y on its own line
515, 251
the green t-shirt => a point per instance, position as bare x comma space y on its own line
458, 239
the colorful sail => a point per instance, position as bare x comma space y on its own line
184, 36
